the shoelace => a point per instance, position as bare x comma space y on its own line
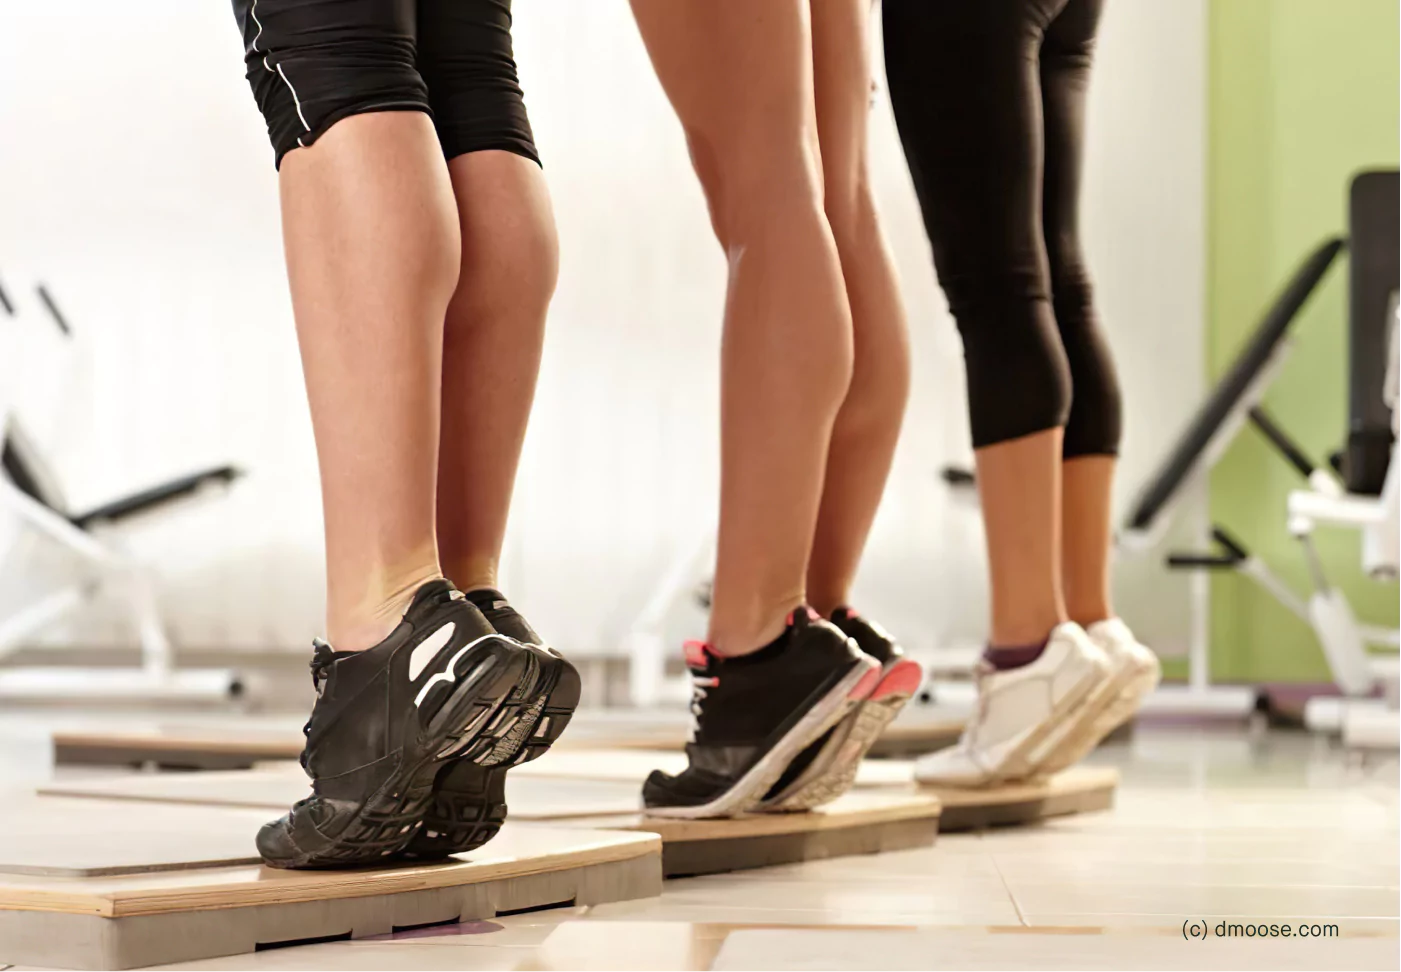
322, 658
981, 673
700, 683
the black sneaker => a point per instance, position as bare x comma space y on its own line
469, 796
383, 719
869, 637
827, 768
754, 713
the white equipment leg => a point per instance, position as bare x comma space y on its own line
156, 679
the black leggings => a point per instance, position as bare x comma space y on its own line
989, 97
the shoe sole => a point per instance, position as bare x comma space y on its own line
390, 818
749, 790
468, 803
834, 770
1102, 715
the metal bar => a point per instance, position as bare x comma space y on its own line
1280, 439
1255, 569
47, 300
57, 527
35, 616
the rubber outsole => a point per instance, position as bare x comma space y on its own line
460, 716
834, 770
467, 805
750, 789
1103, 715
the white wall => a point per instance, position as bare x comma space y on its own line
135, 178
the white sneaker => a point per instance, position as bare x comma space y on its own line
1134, 672
1017, 710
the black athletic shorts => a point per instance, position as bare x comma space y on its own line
313, 62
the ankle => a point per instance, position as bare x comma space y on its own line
743, 636
472, 574
1086, 615
370, 622
825, 604
1018, 633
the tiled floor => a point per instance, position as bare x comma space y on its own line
1230, 826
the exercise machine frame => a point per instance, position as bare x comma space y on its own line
30, 496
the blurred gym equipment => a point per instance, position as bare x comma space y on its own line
1345, 495
1358, 491
31, 497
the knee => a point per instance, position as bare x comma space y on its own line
1094, 425
514, 263
1019, 377
749, 187
531, 252
1071, 291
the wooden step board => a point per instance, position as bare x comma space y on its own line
277, 786
238, 745
178, 748
241, 747
633, 765
1080, 789
860, 822
863, 822
175, 909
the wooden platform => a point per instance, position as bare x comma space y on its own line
70, 838
178, 748
633, 765
174, 912
865, 822
1080, 789
273, 789
241, 746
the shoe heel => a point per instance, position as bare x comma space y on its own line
904, 678
483, 681
467, 810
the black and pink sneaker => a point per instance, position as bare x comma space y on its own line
827, 768
755, 713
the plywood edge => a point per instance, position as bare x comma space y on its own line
1077, 779
63, 902
355, 884
159, 743
853, 810
163, 799
245, 886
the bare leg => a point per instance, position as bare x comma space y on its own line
739, 75
1019, 483
1086, 544
491, 353
868, 426
1093, 428
372, 253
